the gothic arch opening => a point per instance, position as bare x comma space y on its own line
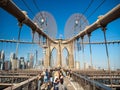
65, 58
53, 57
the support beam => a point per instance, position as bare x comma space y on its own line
101, 22
10, 7
26, 42
21, 16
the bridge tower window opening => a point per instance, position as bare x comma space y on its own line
65, 58
53, 58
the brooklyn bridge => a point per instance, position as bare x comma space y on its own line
37, 53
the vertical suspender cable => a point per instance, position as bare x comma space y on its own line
104, 31
90, 50
91, 57
83, 57
20, 28
75, 53
33, 36
19, 32
83, 52
30, 61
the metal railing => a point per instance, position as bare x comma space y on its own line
88, 84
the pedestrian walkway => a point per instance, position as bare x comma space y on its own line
71, 84
68, 83
62, 80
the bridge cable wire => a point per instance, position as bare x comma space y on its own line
32, 15
30, 10
86, 9
107, 53
28, 7
93, 43
17, 45
83, 58
90, 50
96, 8
75, 52
94, 11
30, 60
89, 37
34, 2
83, 14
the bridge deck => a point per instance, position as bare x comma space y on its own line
68, 84
72, 85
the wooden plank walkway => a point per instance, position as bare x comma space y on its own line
68, 84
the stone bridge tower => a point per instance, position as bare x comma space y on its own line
59, 45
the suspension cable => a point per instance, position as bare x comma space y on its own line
29, 60
83, 50
34, 2
30, 10
19, 32
75, 52
28, 7
83, 57
88, 7
90, 50
109, 69
94, 10
91, 57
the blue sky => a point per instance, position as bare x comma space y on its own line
61, 11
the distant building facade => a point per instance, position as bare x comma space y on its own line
7, 65
86, 66
2, 59
77, 65
13, 61
31, 62
22, 63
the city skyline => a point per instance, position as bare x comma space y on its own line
62, 10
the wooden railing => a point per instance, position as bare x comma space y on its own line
30, 84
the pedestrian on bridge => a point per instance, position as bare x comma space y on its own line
39, 82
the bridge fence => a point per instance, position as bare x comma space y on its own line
88, 84
30, 84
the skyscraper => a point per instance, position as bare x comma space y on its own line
31, 60
13, 61
22, 63
2, 59
12, 56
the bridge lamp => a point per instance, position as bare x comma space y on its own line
42, 20
76, 22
